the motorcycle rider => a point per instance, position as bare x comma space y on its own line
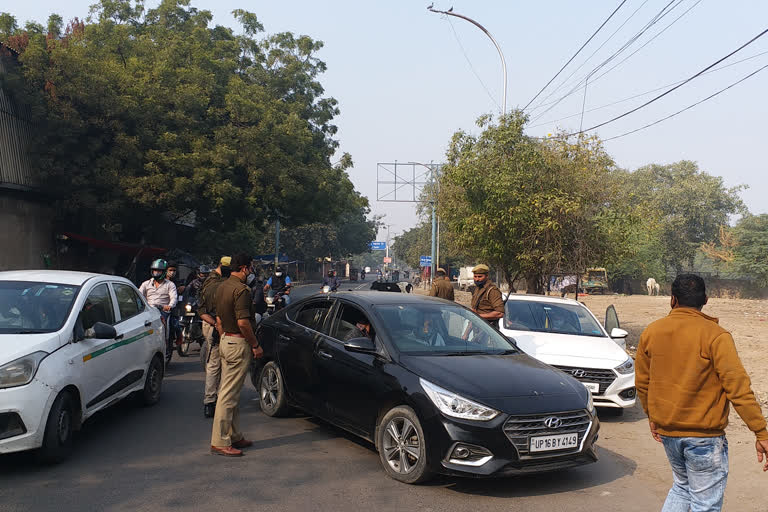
331, 281
159, 291
207, 311
279, 283
194, 287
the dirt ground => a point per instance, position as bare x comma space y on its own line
628, 434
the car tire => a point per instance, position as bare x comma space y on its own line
59, 430
402, 446
186, 341
271, 388
153, 384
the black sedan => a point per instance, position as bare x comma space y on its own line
432, 385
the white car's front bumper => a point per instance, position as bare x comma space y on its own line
616, 395
31, 403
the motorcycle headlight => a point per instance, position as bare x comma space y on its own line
20, 371
456, 406
626, 367
188, 307
269, 300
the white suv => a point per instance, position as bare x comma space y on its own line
71, 344
565, 334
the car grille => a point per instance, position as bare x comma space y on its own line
519, 429
603, 377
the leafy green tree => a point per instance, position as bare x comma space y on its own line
751, 248
148, 116
682, 208
529, 207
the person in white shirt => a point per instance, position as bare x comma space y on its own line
161, 293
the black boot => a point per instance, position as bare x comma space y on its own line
209, 409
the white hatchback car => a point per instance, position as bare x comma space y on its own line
565, 334
71, 344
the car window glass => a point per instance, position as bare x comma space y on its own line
550, 317
128, 302
30, 307
98, 307
440, 329
351, 323
313, 315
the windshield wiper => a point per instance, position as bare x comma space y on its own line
463, 353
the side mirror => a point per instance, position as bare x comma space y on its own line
103, 331
363, 345
617, 333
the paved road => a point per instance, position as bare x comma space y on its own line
156, 459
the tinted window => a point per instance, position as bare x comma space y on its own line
351, 324
98, 308
550, 317
128, 301
313, 315
27, 307
436, 329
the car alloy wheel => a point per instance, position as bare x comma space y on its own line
402, 446
272, 391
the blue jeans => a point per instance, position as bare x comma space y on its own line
700, 470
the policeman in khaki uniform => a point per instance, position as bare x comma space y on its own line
238, 344
441, 286
207, 311
486, 298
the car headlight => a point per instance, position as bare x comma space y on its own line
590, 402
457, 406
20, 371
626, 367
188, 307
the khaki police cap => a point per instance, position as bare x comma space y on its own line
225, 261
480, 269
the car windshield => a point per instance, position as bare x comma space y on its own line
29, 308
441, 329
550, 317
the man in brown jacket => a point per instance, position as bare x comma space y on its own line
687, 375
486, 298
441, 286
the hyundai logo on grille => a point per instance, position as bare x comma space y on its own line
578, 373
553, 422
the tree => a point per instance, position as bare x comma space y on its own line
751, 248
529, 207
683, 208
151, 116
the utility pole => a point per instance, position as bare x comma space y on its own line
498, 48
277, 240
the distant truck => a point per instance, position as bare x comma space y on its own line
596, 281
466, 277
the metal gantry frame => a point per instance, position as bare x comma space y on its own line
389, 182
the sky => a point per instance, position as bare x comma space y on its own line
407, 79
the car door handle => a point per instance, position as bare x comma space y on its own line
147, 323
324, 354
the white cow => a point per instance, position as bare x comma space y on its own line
652, 286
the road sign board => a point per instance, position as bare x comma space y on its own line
387, 260
378, 246
425, 261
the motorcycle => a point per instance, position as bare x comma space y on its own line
191, 327
169, 332
275, 302
362, 276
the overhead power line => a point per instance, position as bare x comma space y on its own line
689, 106
575, 54
461, 46
646, 92
658, 17
656, 98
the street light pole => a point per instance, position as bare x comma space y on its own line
498, 48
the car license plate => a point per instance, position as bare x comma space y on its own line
558, 442
594, 387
